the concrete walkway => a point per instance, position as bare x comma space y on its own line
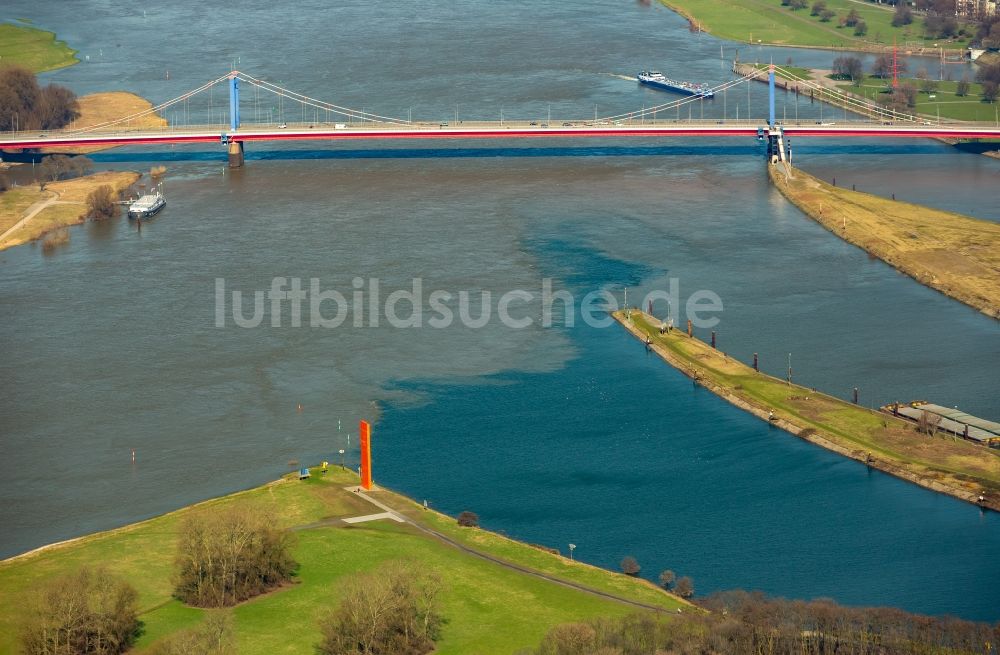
373, 517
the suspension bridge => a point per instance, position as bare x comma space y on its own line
332, 122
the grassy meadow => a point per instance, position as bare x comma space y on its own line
489, 608
33, 48
767, 21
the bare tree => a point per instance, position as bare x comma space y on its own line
214, 636
569, 639
990, 91
391, 610
87, 612
667, 578
630, 566
101, 203
928, 423
228, 556
684, 587
962, 88
468, 519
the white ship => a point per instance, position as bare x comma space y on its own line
147, 205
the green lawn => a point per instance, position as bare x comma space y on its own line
35, 49
768, 22
489, 608
945, 103
788, 72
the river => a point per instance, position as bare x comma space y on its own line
553, 435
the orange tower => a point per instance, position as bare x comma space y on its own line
366, 455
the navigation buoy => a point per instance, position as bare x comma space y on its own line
298, 408
133, 455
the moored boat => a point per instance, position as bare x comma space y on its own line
658, 80
147, 205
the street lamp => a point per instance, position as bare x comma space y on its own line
572, 547
342, 458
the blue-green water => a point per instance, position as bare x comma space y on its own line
555, 436
620, 454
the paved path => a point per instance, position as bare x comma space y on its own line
29, 214
496, 560
373, 517
33, 211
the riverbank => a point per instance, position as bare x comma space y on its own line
767, 22
29, 213
954, 254
941, 463
35, 49
499, 594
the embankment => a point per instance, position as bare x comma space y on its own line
941, 463
498, 595
954, 254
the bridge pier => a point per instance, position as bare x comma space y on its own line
235, 154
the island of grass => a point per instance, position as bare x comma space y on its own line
35, 49
769, 22
941, 463
954, 254
489, 607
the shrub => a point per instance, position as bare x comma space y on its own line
569, 639
684, 587
55, 239
101, 203
213, 637
630, 566
667, 578
82, 613
468, 519
228, 556
391, 610
962, 88
860, 28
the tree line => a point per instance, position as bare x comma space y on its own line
740, 622
24, 105
905, 95
225, 557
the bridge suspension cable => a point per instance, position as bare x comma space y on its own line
850, 101
151, 110
319, 104
675, 104
847, 100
